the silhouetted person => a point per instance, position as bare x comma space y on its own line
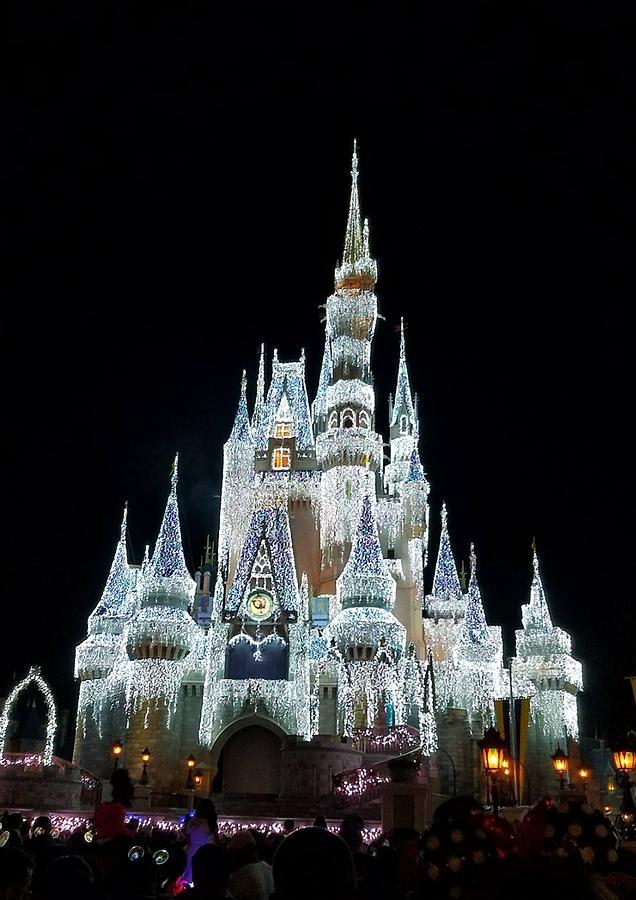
288, 826
251, 878
320, 822
202, 829
313, 864
110, 816
210, 874
16, 869
68, 878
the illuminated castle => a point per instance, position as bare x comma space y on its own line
312, 625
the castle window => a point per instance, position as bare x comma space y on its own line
348, 418
282, 458
404, 424
282, 430
347, 489
333, 420
363, 419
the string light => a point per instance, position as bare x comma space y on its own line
143, 642
34, 677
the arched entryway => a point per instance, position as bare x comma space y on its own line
249, 762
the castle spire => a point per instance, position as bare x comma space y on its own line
403, 405
474, 631
366, 580
319, 406
536, 613
241, 431
167, 573
260, 390
118, 583
356, 256
416, 470
446, 584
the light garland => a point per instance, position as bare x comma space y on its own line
143, 644
33, 677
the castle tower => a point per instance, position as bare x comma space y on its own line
349, 451
238, 472
544, 656
99, 660
403, 511
164, 645
367, 639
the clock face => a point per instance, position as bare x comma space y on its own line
259, 605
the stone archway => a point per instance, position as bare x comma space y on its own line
248, 758
51, 721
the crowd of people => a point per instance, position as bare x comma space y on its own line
558, 851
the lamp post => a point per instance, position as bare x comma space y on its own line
624, 759
560, 763
190, 780
116, 750
584, 774
493, 751
145, 758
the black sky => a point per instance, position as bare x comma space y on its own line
177, 184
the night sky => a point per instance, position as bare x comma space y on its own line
177, 186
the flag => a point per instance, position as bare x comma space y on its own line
521, 720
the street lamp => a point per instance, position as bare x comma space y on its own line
145, 758
198, 778
116, 750
584, 774
493, 752
560, 763
624, 759
190, 781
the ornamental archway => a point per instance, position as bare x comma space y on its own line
34, 677
246, 757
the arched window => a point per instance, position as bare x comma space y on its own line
363, 419
348, 419
333, 420
404, 424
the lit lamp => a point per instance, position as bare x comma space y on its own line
198, 778
116, 750
560, 763
145, 758
624, 759
190, 781
584, 774
493, 753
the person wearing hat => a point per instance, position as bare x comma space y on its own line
251, 878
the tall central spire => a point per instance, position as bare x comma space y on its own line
358, 269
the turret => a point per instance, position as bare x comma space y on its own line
349, 450
238, 472
319, 406
163, 628
260, 391
366, 592
446, 600
96, 655
544, 655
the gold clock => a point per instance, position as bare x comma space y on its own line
259, 605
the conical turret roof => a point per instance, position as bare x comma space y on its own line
446, 584
366, 580
167, 573
241, 430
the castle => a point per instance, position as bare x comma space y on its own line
308, 646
